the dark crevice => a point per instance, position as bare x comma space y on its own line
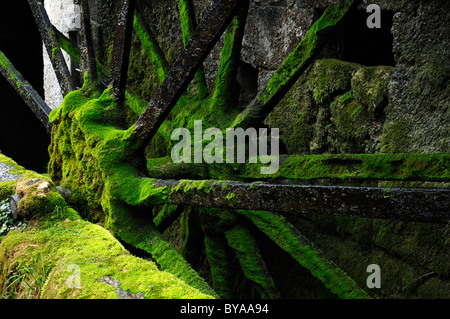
21, 133
138, 252
356, 42
247, 78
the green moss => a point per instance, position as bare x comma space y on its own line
350, 118
68, 244
295, 63
55, 52
137, 229
7, 188
289, 239
144, 74
150, 49
306, 109
4, 61
91, 155
91, 151
187, 186
243, 243
370, 86
219, 259
13, 75
188, 24
401, 167
329, 78
166, 213
396, 136
67, 45
230, 196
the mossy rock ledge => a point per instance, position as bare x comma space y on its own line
59, 255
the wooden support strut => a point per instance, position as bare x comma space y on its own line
121, 49
337, 167
88, 60
150, 45
405, 204
52, 47
188, 25
26, 91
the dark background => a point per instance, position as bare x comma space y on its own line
22, 136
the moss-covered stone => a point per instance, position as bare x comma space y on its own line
335, 107
303, 251
61, 247
92, 155
7, 187
418, 117
144, 74
38, 197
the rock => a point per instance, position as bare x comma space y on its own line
335, 107
418, 117
38, 197
4, 173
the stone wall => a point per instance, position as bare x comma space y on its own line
418, 119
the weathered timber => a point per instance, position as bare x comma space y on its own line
405, 204
121, 48
68, 45
52, 47
150, 45
224, 92
288, 238
188, 25
242, 241
75, 53
339, 167
182, 72
88, 59
26, 91
387, 167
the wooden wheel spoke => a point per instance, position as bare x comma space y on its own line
151, 46
26, 91
121, 49
188, 25
88, 59
241, 240
52, 47
287, 237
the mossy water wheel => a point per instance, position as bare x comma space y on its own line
221, 225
